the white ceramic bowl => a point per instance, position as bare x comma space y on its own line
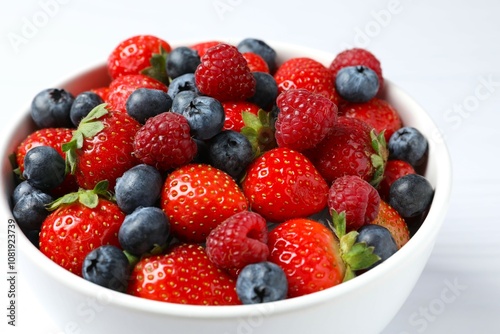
365, 304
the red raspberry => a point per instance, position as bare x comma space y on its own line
239, 240
357, 56
394, 169
305, 118
255, 62
224, 74
165, 141
359, 199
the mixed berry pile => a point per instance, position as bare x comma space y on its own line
210, 174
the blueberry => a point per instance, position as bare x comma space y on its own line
357, 84
262, 49
261, 283
29, 209
201, 152
83, 104
408, 144
182, 60
183, 83
231, 152
411, 195
44, 168
380, 238
182, 100
51, 108
266, 90
138, 186
143, 230
20, 190
144, 103
107, 266
205, 116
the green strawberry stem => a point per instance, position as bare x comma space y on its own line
158, 68
379, 158
258, 131
88, 198
356, 255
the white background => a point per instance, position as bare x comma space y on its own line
444, 53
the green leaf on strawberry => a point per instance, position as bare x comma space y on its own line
379, 158
158, 68
88, 198
258, 131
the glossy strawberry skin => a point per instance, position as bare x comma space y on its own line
73, 230
133, 55
255, 62
197, 197
184, 275
202, 47
309, 254
282, 184
233, 111
389, 218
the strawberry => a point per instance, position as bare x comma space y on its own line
184, 275
238, 241
202, 47
197, 197
137, 55
224, 74
305, 118
81, 222
255, 62
102, 92
101, 147
308, 253
306, 73
378, 113
389, 218
121, 88
282, 184
394, 169
357, 56
55, 138
234, 110
351, 148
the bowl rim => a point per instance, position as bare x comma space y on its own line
425, 234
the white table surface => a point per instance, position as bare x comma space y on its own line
446, 54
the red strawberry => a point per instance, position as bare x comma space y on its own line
255, 62
238, 241
306, 73
197, 197
357, 56
53, 137
389, 218
357, 198
224, 74
378, 113
202, 47
102, 147
103, 92
394, 169
136, 54
305, 118
309, 254
165, 142
233, 111
351, 148
282, 184
81, 222
184, 275
121, 88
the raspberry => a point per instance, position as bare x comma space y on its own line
357, 56
224, 74
165, 142
359, 199
305, 118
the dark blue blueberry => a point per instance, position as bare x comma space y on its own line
357, 84
44, 168
83, 104
21, 189
51, 107
261, 282
107, 266
182, 60
139, 186
143, 230
201, 152
34, 237
266, 91
380, 238
29, 209
145, 103
183, 83
411, 195
408, 144
182, 100
205, 116
262, 49
231, 152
